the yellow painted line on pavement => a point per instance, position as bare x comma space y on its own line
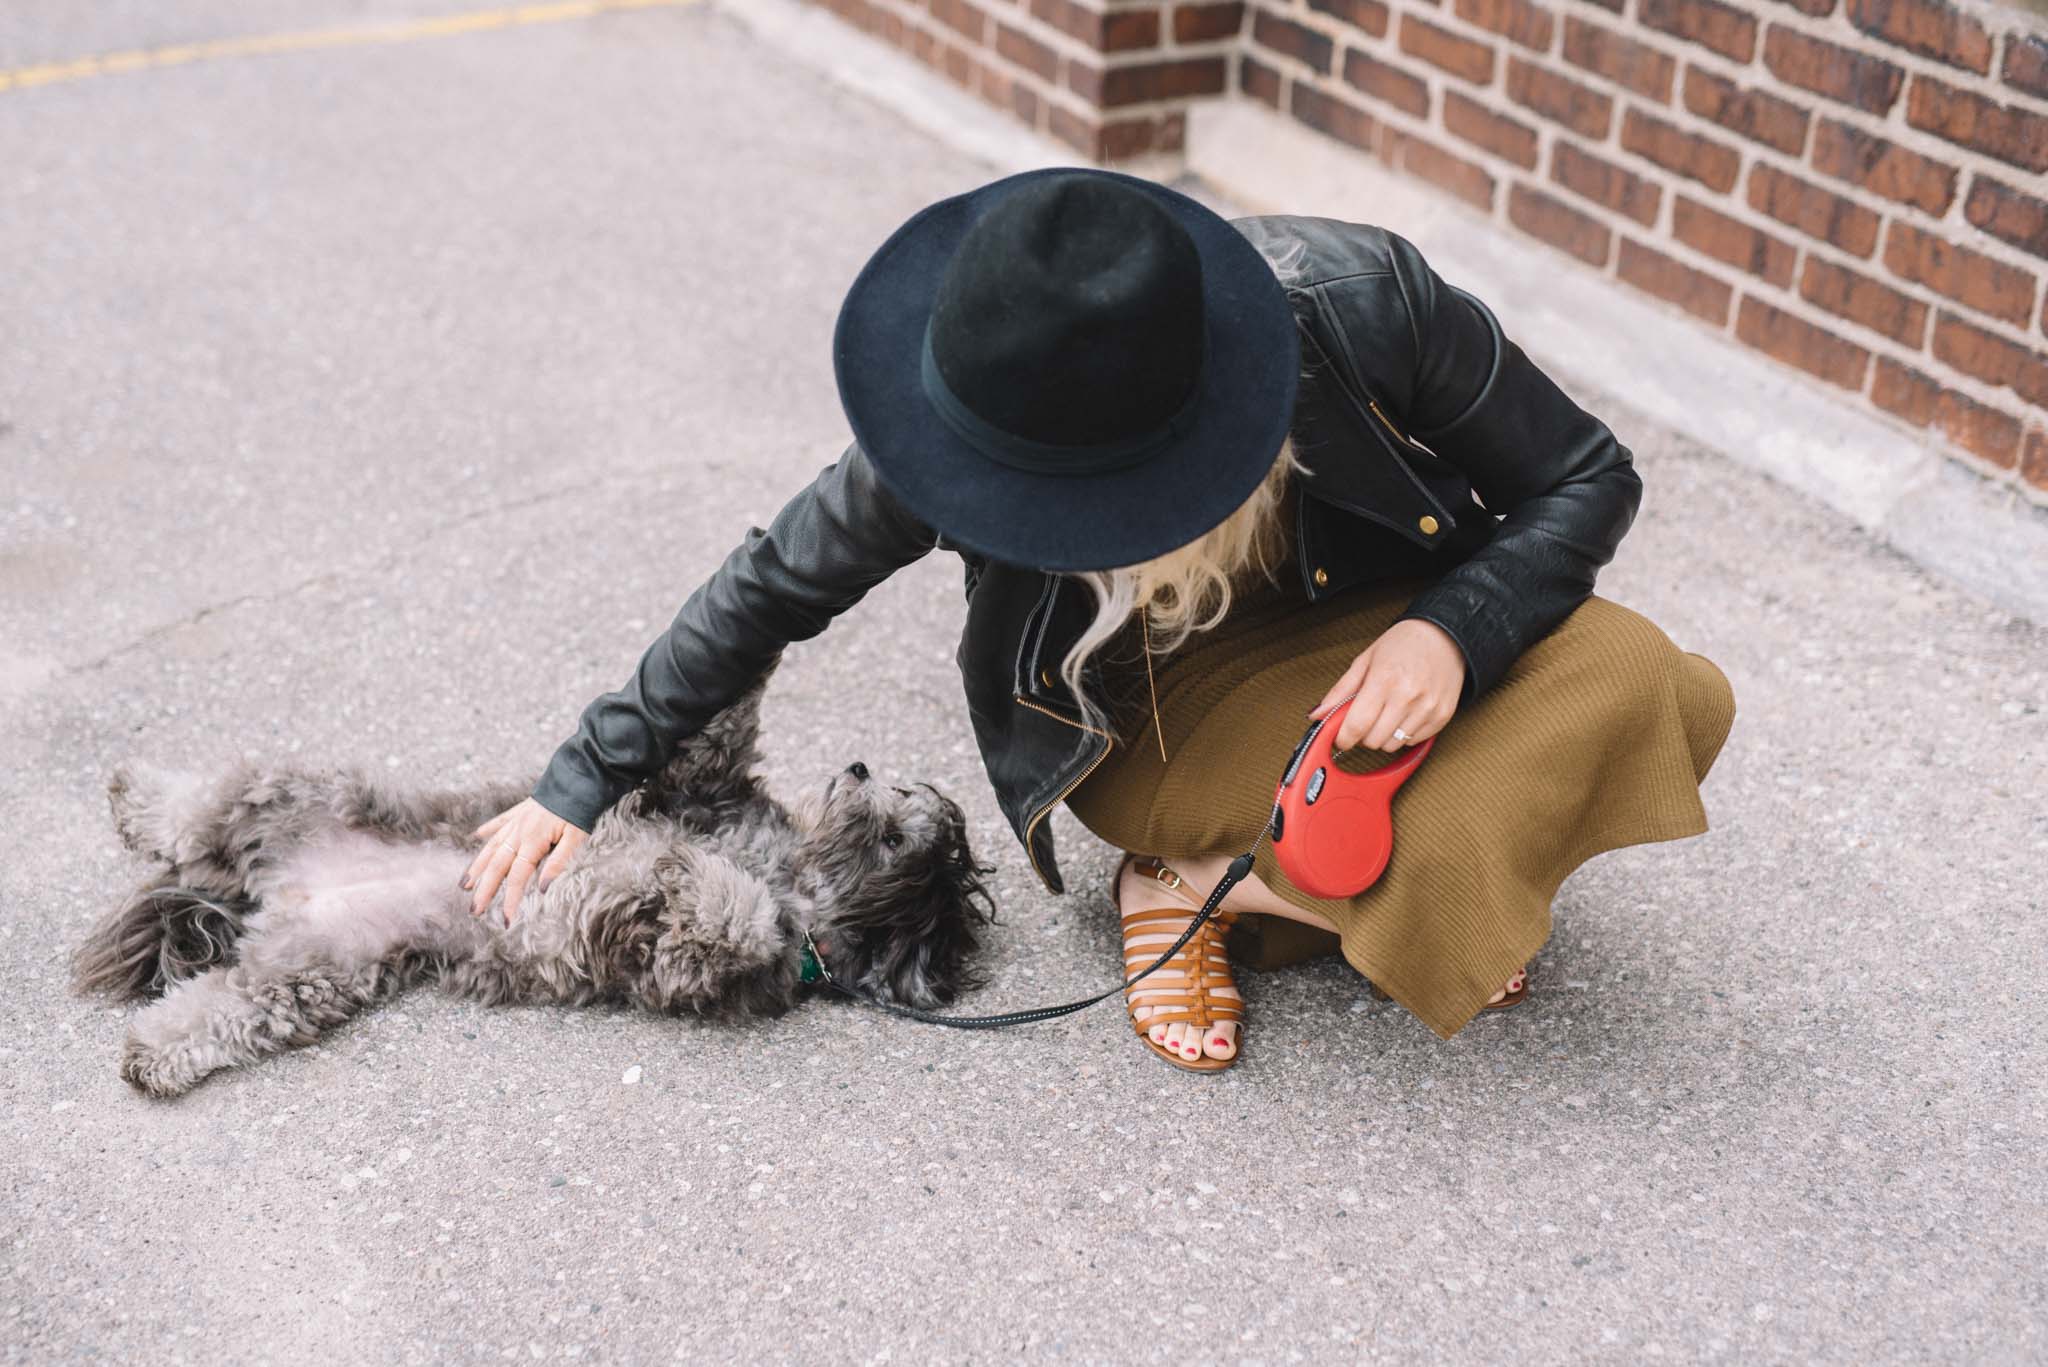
398, 31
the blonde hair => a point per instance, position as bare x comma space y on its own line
1191, 588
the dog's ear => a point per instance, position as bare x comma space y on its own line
925, 939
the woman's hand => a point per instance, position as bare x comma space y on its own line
1409, 678
514, 840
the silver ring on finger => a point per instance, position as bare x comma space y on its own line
1401, 735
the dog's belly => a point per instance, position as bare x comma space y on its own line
354, 898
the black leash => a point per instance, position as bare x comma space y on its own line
1239, 867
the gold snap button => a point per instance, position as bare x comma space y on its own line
1045, 677
1322, 576
1428, 525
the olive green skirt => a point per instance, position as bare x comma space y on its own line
1598, 736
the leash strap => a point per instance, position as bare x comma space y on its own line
1239, 867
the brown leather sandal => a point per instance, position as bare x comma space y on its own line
1197, 964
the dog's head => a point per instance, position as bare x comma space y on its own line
899, 894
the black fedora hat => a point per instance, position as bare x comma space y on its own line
1068, 368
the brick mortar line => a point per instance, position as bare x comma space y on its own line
1837, 28
1451, 21
1407, 125
1657, 235
1147, 56
1787, 299
947, 38
1887, 211
1067, 45
1892, 123
1923, 360
1229, 44
1342, 30
1754, 73
1068, 48
1998, 399
1152, 56
1402, 122
1494, 95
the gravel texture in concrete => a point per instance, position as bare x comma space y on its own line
383, 403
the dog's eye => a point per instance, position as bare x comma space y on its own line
893, 840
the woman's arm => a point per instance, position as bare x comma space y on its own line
1565, 488
829, 545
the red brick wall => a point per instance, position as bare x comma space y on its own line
1857, 188
1112, 81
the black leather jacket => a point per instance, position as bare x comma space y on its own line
1393, 354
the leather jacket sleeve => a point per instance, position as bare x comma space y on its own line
828, 546
1565, 489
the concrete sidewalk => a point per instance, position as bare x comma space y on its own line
383, 401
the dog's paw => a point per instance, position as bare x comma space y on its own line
156, 1072
146, 803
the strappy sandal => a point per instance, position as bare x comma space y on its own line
1197, 963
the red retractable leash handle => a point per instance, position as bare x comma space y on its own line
1334, 831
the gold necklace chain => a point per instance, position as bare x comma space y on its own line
1143, 620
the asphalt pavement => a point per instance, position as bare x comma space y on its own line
382, 400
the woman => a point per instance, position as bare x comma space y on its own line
1173, 454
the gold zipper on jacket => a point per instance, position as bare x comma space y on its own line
1040, 815
1373, 404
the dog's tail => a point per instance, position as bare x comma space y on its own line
161, 934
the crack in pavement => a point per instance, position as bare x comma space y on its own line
384, 561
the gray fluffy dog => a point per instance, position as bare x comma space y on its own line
293, 898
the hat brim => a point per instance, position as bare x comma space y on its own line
1065, 522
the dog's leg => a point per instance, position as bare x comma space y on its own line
713, 769
726, 946
153, 807
229, 1016
216, 828
217, 835
211, 834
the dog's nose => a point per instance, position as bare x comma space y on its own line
858, 770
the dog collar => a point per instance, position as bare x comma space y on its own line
813, 965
